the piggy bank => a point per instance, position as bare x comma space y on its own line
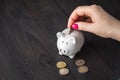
69, 44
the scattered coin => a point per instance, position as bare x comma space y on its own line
83, 69
63, 71
61, 64
80, 62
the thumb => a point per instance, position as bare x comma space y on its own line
84, 26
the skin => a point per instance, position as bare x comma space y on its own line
96, 20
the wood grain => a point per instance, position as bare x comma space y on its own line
28, 48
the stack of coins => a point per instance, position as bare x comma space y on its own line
81, 66
62, 68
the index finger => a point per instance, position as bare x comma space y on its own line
78, 13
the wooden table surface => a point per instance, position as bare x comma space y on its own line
28, 48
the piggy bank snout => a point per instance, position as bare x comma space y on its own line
63, 51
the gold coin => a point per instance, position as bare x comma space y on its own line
63, 71
61, 64
80, 62
83, 69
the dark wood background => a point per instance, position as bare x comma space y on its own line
28, 48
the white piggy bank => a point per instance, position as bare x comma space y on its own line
69, 44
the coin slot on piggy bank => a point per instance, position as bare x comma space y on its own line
69, 44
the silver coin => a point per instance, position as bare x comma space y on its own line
64, 71
80, 62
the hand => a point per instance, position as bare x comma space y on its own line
95, 20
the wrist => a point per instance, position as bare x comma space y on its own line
116, 31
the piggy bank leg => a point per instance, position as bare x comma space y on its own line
72, 56
60, 53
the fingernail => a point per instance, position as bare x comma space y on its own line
75, 26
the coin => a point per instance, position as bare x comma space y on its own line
83, 69
80, 62
61, 64
63, 71
70, 30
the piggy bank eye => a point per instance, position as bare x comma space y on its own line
62, 41
66, 42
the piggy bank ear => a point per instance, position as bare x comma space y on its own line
60, 34
73, 40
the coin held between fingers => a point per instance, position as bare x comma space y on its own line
70, 30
